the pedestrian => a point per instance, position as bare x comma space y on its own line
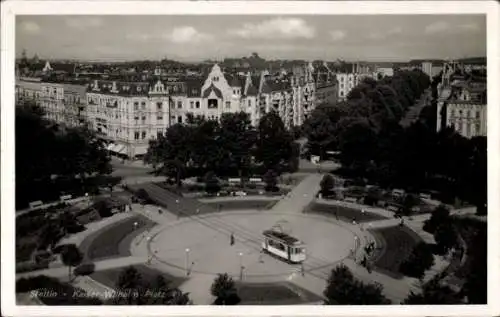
160, 211
231, 238
336, 215
402, 222
302, 272
354, 220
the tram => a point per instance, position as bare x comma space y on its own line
284, 246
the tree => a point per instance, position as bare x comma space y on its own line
440, 216
270, 178
327, 184
212, 185
409, 202
129, 282
373, 195
446, 238
420, 260
224, 289
71, 257
274, 142
344, 289
237, 138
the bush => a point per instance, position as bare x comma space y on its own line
212, 185
419, 261
270, 178
327, 184
84, 269
103, 208
31, 266
440, 216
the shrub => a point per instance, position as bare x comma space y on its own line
440, 216
212, 185
327, 184
419, 261
270, 178
84, 269
31, 266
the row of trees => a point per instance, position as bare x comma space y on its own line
369, 106
374, 146
232, 147
45, 150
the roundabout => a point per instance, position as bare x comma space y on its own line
201, 245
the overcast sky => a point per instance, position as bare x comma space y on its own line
192, 38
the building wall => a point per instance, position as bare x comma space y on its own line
468, 119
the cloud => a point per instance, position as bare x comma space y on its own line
384, 34
30, 27
284, 28
337, 35
437, 27
395, 30
82, 23
187, 34
469, 27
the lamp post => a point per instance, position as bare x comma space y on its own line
187, 262
150, 256
88, 200
241, 266
178, 209
135, 225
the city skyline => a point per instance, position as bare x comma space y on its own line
192, 38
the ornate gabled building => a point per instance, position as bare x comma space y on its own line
128, 112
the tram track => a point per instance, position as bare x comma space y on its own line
247, 237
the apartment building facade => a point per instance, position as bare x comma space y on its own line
462, 105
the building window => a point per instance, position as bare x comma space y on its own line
228, 104
143, 119
159, 118
179, 119
197, 105
159, 132
143, 135
478, 114
159, 105
136, 135
179, 104
136, 105
212, 103
191, 104
249, 103
136, 118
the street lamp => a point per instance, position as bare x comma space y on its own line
135, 225
88, 200
178, 209
241, 266
187, 262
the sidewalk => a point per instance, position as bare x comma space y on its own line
300, 196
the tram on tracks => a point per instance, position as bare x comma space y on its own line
284, 246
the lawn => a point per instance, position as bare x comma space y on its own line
243, 204
344, 213
115, 239
110, 277
398, 244
274, 294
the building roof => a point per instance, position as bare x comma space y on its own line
281, 236
252, 91
234, 80
211, 89
193, 87
122, 88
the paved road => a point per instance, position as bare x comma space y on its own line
300, 196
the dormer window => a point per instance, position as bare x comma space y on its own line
138, 88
